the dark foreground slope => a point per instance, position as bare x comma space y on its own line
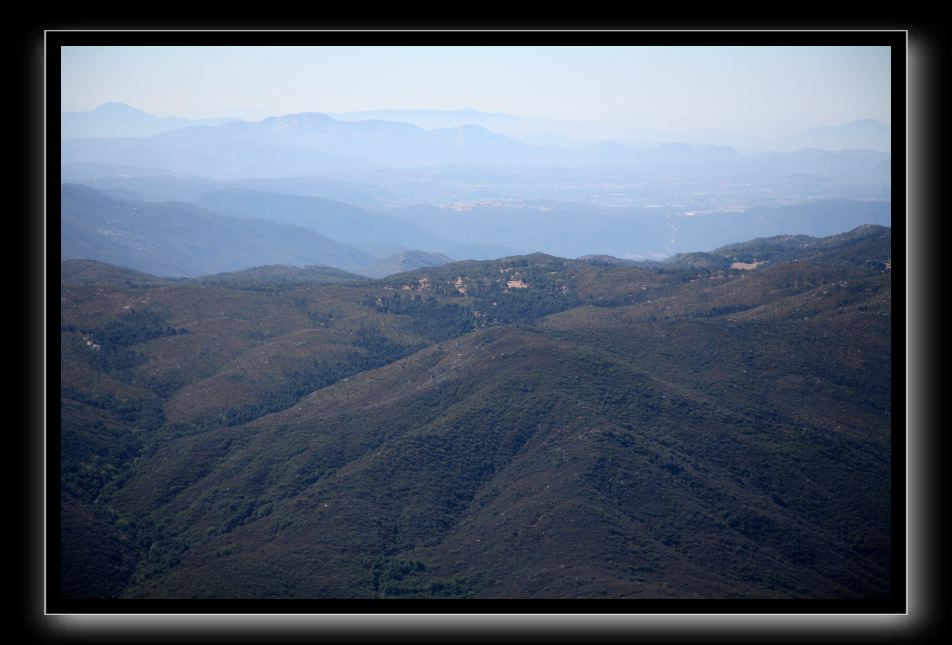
566, 430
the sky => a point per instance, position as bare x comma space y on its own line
756, 90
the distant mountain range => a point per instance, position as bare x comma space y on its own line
176, 239
121, 120
364, 192
336, 220
237, 228
868, 134
311, 143
573, 230
114, 119
156, 185
860, 134
534, 132
351, 357
438, 119
301, 144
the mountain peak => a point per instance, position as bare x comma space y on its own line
867, 123
301, 117
116, 107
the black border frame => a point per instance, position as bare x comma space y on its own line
896, 39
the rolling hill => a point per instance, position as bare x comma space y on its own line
176, 239
528, 427
405, 261
341, 222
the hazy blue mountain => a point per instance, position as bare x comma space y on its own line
435, 119
576, 230
175, 239
868, 134
378, 234
818, 219
617, 154
405, 261
380, 251
145, 184
489, 229
641, 137
208, 151
864, 134
550, 139
678, 162
855, 164
564, 230
338, 221
120, 120
480, 250
157, 185
375, 142
302, 144
90, 171
479, 145
697, 170
358, 192
309, 144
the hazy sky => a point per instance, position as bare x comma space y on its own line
759, 90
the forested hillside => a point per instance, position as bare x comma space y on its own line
714, 426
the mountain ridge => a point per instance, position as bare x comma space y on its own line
561, 429
115, 119
174, 238
310, 142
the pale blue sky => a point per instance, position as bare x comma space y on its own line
758, 90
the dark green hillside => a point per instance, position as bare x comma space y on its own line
697, 261
515, 465
868, 244
234, 353
865, 244
273, 277
91, 271
524, 427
